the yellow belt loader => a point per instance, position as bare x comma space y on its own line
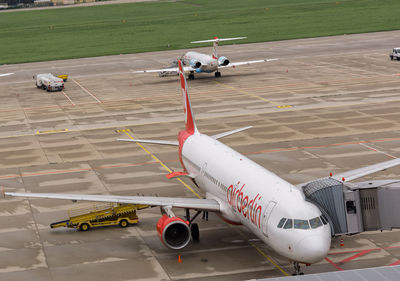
101, 215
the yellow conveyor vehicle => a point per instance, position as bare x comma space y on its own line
101, 215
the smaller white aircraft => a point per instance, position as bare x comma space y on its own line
195, 62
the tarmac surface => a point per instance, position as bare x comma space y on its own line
328, 104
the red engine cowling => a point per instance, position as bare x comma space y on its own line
174, 232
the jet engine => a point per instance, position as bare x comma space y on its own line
194, 63
174, 232
223, 61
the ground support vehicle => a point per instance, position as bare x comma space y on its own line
395, 54
101, 215
49, 82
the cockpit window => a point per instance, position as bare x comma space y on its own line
315, 222
301, 224
288, 224
324, 220
281, 222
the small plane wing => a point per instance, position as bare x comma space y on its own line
221, 135
164, 142
6, 74
170, 69
190, 203
234, 64
360, 172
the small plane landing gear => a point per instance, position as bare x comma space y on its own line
217, 74
191, 75
297, 269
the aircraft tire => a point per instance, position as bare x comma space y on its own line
194, 229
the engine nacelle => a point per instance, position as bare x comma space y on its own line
223, 61
194, 63
174, 232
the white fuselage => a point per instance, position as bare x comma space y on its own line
208, 63
257, 198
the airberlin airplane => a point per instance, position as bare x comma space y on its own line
239, 190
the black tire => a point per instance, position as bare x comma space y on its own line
398, 58
217, 74
39, 87
191, 76
123, 223
84, 227
44, 87
391, 57
194, 229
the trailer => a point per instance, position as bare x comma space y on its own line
49, 82
101, 215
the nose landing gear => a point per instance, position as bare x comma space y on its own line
297, 269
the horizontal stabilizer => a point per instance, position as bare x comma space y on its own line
176, 175
218, 40
189, 203
163, 142
221, 135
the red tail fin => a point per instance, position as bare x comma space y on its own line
189, 118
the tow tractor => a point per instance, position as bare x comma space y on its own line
101, 215
395, 54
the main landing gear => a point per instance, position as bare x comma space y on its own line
217, 74
194, 227
297, 270
191, 75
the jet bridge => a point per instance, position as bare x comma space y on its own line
356, 207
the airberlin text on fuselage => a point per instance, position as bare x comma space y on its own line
246, 206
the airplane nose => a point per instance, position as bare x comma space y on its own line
313, 248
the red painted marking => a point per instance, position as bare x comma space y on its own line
360, 254
176, 174
395, 263
357, 251
68, 98
334, 264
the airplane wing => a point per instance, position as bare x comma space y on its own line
360, 172
170, 69
221, 135
234, 64
6, 74
190, 203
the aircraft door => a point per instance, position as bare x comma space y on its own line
268, 210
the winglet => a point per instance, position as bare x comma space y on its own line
189, 117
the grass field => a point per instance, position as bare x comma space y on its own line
152, 26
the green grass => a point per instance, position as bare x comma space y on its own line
54, 34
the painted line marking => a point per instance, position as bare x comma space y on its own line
163, 165
377, 150
269, 259
122, 130
359, 254
253, 95
51, 131
334, 264
395, 263
87, 91
68, 98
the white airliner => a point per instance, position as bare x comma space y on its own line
195, 62
237, 189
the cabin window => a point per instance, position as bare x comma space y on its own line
281, 222
301, 224
288, 224
315, 222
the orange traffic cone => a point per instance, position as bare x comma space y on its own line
179, 259
341, 242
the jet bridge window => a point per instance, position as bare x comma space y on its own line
315, 222
281, 222
288, 224
301, 224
